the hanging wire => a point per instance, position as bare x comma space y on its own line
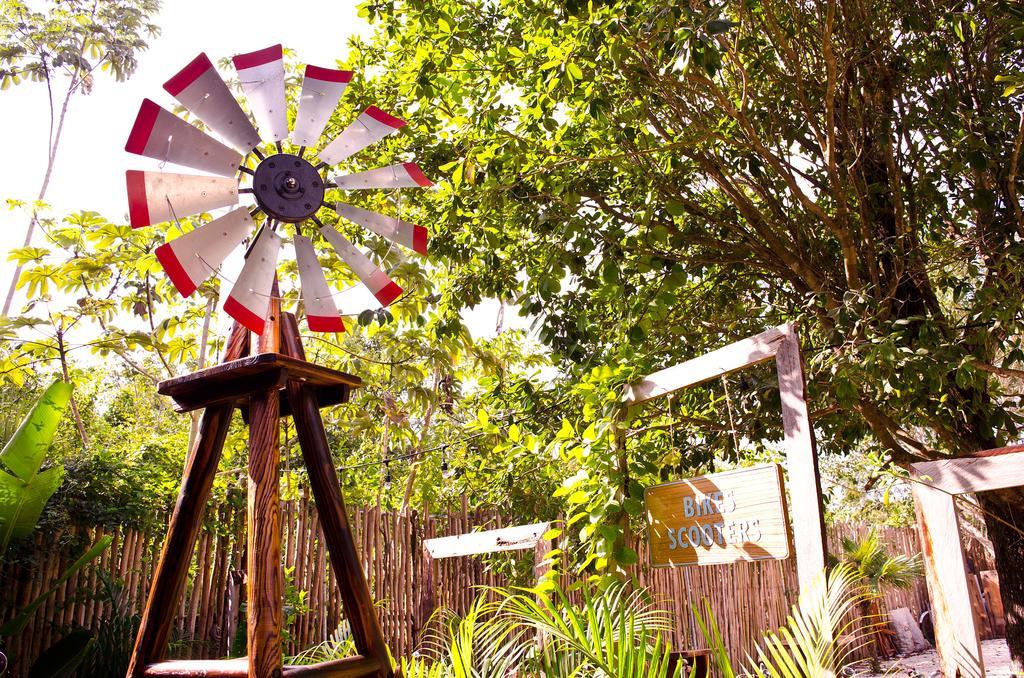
732, 422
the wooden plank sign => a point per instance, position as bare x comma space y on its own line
719, 518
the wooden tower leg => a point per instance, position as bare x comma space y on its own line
172, 567
355, 593
265, 591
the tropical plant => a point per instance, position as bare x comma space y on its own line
877, 570
611, 632
24, 488
110, 651
877, 567
338, 645
63, 657
478, 644
817, 640
20, 620
654, 180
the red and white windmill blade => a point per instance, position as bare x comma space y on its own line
287, 187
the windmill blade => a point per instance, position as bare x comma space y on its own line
249, 299
402, 175
191, 259
262, 76
408, 235
376, 280
164, 136
200, 89
321, 311
155, 197
371, 126
321, 90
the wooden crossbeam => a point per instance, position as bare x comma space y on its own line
728, 359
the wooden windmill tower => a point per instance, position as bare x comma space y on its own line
269, 378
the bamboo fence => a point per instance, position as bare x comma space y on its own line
746, 598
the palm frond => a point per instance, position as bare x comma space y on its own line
818, 638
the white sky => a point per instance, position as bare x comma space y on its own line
90, 166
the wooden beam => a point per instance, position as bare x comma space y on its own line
231, 381
172, 567
808, 519
709, 366
956, 636
265, 585
199, 668
323, 479
973, 474
349, 667
489, 541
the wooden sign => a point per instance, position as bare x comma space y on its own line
719, 518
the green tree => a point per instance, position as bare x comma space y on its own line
655, 180
64, 44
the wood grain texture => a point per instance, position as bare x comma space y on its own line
719, 518
265, 590
349, 667
735, 356
232, 382
806, 509
270, 340
199, 668
172, 567
974, 474
956, 636
323, 479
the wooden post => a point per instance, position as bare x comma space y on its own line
956, 636
802, 462
323, 479
265, 592
172, 567
783, 344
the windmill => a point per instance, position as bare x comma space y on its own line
275, 380
287, 188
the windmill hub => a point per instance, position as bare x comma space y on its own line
288, 188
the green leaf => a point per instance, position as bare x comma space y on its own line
553, 533
633, 507
62, 659
21, 503
626, 556
26, 449
578, 497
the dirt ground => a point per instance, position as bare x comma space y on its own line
926, 664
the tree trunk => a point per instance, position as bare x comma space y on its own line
51, 159
1009, 551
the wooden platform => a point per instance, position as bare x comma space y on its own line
349, 667
234, 381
